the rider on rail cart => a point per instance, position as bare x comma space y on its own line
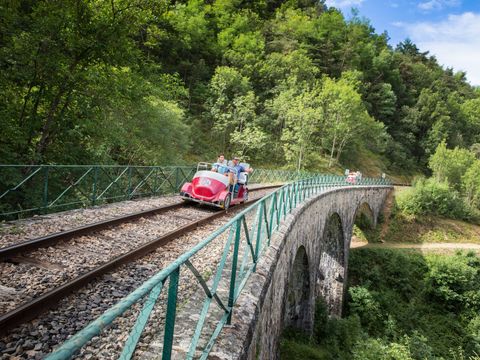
220, 186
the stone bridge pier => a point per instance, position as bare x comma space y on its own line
307, 259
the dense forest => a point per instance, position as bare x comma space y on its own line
283, 83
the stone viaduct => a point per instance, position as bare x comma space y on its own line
308, 258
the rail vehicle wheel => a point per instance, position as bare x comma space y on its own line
186, 200
226, 202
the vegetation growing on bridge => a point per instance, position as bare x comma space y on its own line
283, 82
401, 306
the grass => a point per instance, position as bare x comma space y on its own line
294, 350
430, 229
404, 228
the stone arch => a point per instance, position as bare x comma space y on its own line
331, 265
297, 307
365, 217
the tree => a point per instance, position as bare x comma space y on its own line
232, 103
344, 117
450, 165
471, 184
470, 109
48, 59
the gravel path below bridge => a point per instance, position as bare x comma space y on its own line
423, 246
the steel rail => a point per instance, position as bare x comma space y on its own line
50, 299
11, 251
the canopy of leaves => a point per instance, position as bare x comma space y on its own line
288, 83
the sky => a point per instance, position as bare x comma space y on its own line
448, 29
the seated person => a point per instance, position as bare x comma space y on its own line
238, 169
221, 165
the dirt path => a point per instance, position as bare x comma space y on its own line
422, 246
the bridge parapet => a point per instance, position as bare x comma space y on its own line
275, 220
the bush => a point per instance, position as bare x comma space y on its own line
375, 349
454, 281
366, 307
432, 197
450, 165
293, 349
336, 336
471, 184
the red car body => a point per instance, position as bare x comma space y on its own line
213, 188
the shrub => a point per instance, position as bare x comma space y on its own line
432, 197
454, 281
419, 346
471, 184
291, 349
450, 165
366, 307
336, 336
375, 349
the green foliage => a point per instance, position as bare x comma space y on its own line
402, 305
451, 165
363, 304
453, 192
470, 110
336, 335
455, 281
471, 184
429, 316
374, 349
431, 197
291, 83
293, 350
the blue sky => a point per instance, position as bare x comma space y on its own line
448, 29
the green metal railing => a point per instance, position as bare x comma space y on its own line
244, 238
28, 190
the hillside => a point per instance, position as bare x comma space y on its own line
285, 84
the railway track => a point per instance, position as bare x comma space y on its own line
176, 219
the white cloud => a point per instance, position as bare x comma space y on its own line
340, 4
437, 4
455, 42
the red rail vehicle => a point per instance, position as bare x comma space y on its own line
221, 188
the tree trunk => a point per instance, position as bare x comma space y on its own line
299, 165
340, 148
330, 162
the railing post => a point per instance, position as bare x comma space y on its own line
45, 188
259, 234
177, 179
94, 187
171, 314
273, 206
155, 175
233, 275
129, 189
